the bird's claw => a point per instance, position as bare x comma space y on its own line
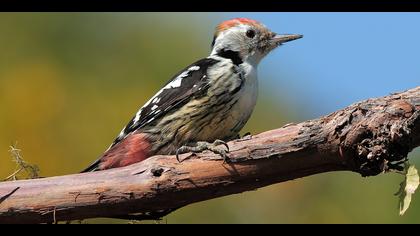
218, 142
202, 146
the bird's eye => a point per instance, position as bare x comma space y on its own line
250, 34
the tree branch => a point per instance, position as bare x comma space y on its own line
369, 137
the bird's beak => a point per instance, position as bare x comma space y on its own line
282, 38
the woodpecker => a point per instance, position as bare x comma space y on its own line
202, 106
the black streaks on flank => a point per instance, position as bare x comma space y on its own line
232, 55
171, 140
233, 103
194, 84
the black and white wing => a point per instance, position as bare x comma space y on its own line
190, 82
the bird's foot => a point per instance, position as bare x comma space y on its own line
202, 146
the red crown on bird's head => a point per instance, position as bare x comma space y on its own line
234, 22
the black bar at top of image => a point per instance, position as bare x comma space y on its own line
212, 5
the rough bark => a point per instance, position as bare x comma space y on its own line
368, 137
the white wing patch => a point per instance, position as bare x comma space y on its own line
177, 81
193, 68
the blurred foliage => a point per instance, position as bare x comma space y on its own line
23, 168
70, 81
407, 187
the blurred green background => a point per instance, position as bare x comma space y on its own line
70, 81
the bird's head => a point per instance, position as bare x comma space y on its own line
246, 40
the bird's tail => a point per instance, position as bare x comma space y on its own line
133, 148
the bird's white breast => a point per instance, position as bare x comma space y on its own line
227, 123
247, 96
250, 90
